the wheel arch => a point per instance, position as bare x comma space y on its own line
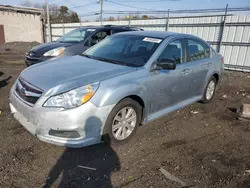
217, 77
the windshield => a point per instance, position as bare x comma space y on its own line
76, 35
130, 50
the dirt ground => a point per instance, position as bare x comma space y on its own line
205, 149
14, 52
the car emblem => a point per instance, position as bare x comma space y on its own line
32, 53
23, 91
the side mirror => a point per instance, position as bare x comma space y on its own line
168, 64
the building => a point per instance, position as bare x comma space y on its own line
20, 24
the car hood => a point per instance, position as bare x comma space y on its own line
42, 48
67, 73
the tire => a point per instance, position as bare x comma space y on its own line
112, 125
208, 97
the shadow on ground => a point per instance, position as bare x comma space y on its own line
85, 167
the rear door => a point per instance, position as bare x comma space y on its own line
199, 63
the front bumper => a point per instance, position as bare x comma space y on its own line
87, 120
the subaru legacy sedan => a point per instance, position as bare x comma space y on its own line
126, 80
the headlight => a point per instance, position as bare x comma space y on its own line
54, 52
73, 98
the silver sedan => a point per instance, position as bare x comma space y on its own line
126, 80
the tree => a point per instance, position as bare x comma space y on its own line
57, 14
74, 17
63, 14
111, 18
145, 17
27, 3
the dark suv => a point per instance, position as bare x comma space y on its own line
73, 43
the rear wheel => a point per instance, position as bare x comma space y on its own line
123, 121
210, 90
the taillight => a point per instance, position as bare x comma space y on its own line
222, 60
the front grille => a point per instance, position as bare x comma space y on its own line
28, 92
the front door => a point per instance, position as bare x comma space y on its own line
169, 87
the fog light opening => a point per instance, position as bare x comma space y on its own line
64, 134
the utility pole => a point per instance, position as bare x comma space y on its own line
101, 11
167, 21
48, 20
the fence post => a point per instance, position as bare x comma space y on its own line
44, 30
63, 29
222, 29
49, 32
129, 20
167, 22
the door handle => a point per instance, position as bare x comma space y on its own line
186, 71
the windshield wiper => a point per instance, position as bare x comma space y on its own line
110, 61
106, 60
94, 57
85, 55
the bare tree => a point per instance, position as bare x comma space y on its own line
58, 14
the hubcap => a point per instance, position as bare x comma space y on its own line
210, 90
124, 123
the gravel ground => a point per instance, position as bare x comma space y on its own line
205, 149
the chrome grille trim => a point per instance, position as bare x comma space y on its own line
27, 92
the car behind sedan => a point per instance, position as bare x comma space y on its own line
127, 79
72, 43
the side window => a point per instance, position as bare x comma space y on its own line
76, 36
97, 38
197, 50
173, 51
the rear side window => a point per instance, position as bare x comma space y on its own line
197, 50
174, 51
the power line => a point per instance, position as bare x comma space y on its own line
129, 5
89, 13
73, 6
68, 2
238, 9
149, 1
95, 2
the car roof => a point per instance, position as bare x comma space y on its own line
157, 34
111, 27
154, 34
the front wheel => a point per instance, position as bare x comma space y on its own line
123, 121
209, 90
